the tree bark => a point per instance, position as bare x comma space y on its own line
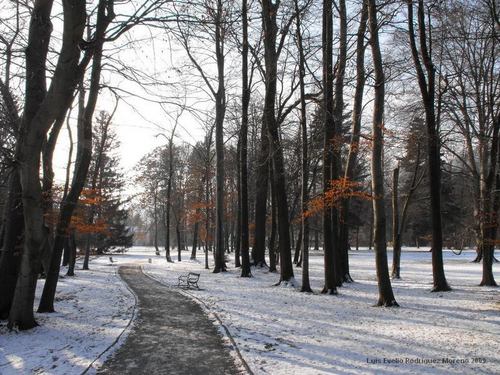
396, 239
195, 239
352, 158
304, 230
386, 295
33, 132
298, 246
427, 89
341, 262
84, 155
13, 233
261, 188
269, 13
244, 215
207, 199
71, 244
155, 219
179, 245
273, 259
330, 238
220, 110
166, 224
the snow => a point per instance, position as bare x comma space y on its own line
282, 331
279, 330
93, 309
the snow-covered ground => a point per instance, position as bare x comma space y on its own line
282, 331
93, 309
278, 329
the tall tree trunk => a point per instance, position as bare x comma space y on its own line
396, 240
195, 239
490, 204
14, 241
237, 240
220, 110
261, 188
166, 224
352, 158
84, 155
357, 237
12, 225
386, 296
273, 259
69, 258
155, 218
372, 219
179, 245
13, 233
304, 230
269, 13
244, 215
86, 256
65, 259
71, 244
34, 131
227, 233
341, 254
490, 200
207, 201
427, 89
298, 247
330, 239
168, 204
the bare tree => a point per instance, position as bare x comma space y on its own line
386, 295
330, 238
84, 154
427, 84
472, 101
354, 145
219, 13
42, 107
271, 54
243, 148
304, 234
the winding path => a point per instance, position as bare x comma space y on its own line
171, 335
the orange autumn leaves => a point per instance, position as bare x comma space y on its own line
340, 189
90, 199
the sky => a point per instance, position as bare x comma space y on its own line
144, 55
140, 120
147, 63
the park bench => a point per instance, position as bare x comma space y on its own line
188, 280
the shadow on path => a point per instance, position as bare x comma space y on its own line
171, 335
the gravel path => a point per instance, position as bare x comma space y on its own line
172, 335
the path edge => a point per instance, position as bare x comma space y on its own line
209, 311
124, 333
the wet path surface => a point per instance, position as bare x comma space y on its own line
171, 335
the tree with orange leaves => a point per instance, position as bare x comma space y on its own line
102, 224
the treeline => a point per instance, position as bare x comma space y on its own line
289, 152
430, 87
46, 71
313, 105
